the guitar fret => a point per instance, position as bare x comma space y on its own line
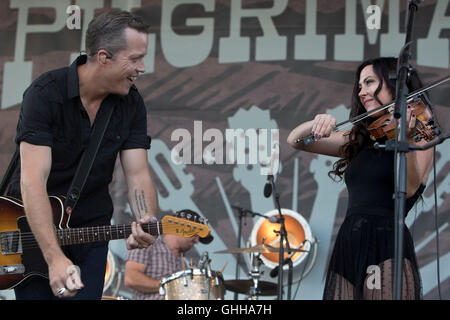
71, 236
108, 233
60, 235
67, 237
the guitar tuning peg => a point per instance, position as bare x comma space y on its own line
189, 216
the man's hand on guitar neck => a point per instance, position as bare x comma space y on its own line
138, 238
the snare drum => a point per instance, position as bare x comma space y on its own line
193, 284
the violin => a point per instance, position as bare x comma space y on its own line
385, 125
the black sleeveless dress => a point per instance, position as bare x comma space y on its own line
361, 265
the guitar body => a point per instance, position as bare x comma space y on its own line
21, 257
17, 260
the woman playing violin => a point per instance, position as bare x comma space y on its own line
365, 241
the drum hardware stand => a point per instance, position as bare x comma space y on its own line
205, 266
242, 213
255, 274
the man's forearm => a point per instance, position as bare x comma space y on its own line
40, 219
142, 197
141, 282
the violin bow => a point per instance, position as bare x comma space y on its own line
309, 139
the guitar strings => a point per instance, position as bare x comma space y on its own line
29, 241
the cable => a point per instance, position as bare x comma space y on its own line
304, 267
436, 225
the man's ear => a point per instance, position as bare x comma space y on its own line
103, 55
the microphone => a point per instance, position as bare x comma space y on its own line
268, 186
274, 271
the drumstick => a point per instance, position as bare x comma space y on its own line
223, 268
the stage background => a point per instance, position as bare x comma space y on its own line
243, 64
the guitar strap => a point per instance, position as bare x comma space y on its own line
87, 159
9, 172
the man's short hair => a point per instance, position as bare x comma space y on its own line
107, 31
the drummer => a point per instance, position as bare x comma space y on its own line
145, 268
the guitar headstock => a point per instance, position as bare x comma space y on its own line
184, 227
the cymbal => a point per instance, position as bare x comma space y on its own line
243, 286
260, 248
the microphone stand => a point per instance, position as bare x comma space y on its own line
242, 213
283, 238
290, 275
401, 147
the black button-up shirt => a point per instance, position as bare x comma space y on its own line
52, 115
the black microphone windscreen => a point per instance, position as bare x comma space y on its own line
274, 272
267, 190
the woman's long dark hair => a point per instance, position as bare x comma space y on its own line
385, 69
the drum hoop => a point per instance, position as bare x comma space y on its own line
181, 273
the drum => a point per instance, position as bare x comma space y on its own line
193, 284
113, 298
299, 236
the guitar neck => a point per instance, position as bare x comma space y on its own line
102, 233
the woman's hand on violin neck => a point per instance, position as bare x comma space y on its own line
323, 125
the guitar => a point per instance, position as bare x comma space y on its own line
22, 258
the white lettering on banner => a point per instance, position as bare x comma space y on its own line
17, 74
186, 50
342, 42
310, 46
190, 50
438, 56
270, 46
393, 41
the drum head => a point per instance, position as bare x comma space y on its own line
298, 234
297, 229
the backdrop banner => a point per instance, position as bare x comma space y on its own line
225, 83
